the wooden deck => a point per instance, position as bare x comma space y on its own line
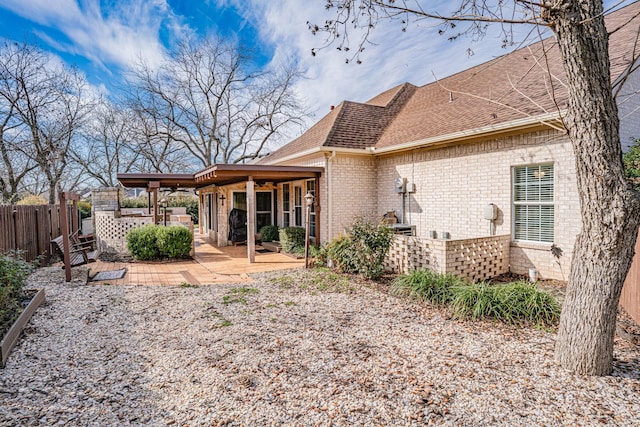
211, 265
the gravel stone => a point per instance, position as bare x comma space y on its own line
289, 354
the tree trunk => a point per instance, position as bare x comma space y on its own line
609, 209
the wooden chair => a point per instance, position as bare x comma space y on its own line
80, 249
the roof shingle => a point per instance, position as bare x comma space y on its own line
525, 83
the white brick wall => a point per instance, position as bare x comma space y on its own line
455, 183
628, 100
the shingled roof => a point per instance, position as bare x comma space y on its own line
524, 84
350, 124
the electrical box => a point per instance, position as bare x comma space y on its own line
491, 212
400, 185
411, 187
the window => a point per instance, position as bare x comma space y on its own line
240, 200
264, 206
297, 206
311, 188
286, 205
533, 210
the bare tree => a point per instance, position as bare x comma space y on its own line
14, 165
109, 144
50, 101
609, 207
206, 98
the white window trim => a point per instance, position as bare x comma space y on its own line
539, 203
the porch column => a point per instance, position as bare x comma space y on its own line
155, 185
251, 220
318, 216
201, 213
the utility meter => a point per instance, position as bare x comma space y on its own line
491, 212
399, 185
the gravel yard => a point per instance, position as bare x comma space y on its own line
287, 351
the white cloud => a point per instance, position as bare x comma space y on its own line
416, 55
121, 35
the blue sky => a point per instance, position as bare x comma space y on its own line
105, 38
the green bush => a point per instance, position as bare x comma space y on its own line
84, 207
154, 241
174, 241
142, 242
363, 250
509, 303
269, 233
290, 237
512, 303
427, 286
13, 273
342, 254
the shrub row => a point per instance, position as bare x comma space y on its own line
510, 303
155, 241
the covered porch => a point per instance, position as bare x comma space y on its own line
237, 184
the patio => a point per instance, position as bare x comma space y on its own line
211, 265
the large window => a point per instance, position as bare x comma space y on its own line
533, 210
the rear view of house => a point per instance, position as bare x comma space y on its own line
477, 166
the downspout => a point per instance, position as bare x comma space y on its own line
329, 161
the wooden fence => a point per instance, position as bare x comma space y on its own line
630, 298
30, 229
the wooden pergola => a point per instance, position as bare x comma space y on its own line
227, 174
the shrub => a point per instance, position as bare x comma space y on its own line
509, 303
426, 285
142, 242
363, 250
174, 241
269, 233
84, 207
32, 199
342, 254
372, 242
290, 237
13, 273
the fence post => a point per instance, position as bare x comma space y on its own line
64, 230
